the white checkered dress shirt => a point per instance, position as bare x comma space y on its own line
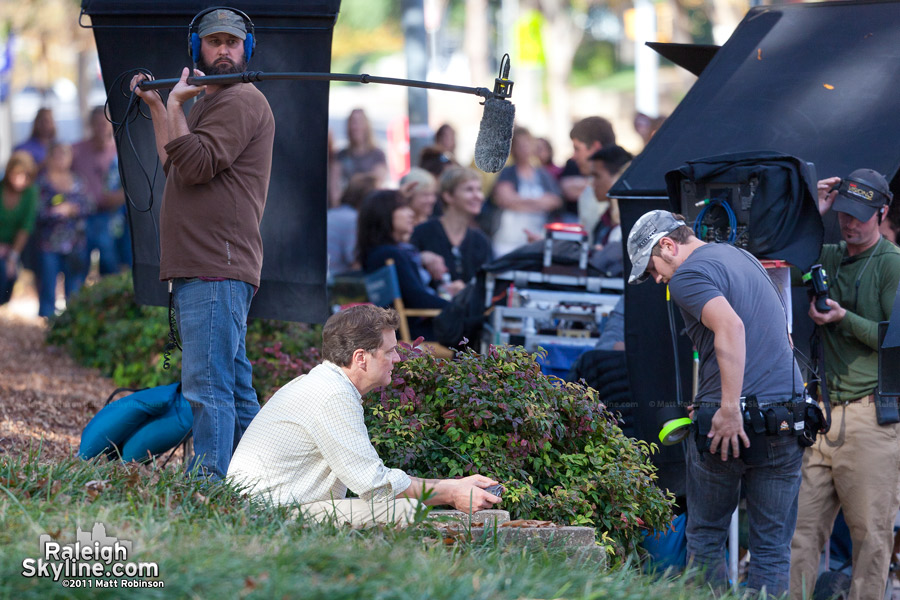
310, 443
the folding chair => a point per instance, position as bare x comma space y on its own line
383, 289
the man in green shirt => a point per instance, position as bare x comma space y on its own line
857, 465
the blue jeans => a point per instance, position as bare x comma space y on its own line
216, 376
52, 263
99, 236
771, 488
121, 233
6, 284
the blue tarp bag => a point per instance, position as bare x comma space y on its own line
560, 358
147, 422
667, 549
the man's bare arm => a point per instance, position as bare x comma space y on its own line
826, 196
466, 494
731, 350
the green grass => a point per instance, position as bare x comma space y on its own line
209, 542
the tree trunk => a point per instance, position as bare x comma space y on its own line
476, 42
561, 38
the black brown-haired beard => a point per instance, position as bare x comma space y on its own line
222, 68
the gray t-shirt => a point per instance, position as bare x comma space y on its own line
723, 270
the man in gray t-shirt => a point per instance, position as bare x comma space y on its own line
722, 270
735, 318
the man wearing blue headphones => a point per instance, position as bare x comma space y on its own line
217, 162
856, 466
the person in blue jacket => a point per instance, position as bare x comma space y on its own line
384, 227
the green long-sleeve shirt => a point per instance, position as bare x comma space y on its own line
865, 285
20, 218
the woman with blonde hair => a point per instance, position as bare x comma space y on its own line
420, 187
361, 154
451, 236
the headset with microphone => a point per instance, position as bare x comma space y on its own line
194, 36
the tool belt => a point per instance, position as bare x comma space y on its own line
801, 418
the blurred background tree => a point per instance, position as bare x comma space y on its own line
365, 30
50, 59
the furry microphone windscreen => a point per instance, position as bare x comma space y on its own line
494, 135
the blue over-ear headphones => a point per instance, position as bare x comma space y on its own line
194, 37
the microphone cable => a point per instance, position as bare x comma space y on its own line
172, 339
807, 364
122, 133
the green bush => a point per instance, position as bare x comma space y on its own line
104, 328
280, 351
553, 445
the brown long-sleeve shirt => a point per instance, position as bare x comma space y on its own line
217, 178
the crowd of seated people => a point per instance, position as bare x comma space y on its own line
434, 227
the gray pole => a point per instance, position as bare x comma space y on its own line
416, 68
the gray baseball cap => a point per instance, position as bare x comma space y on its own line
222, 21
647, 231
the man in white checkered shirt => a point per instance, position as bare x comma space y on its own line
309, 443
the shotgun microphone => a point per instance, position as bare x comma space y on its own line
496, 129
494, 135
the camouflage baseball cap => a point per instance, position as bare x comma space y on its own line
222, 20
648, 230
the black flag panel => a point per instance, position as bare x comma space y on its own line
291, 36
